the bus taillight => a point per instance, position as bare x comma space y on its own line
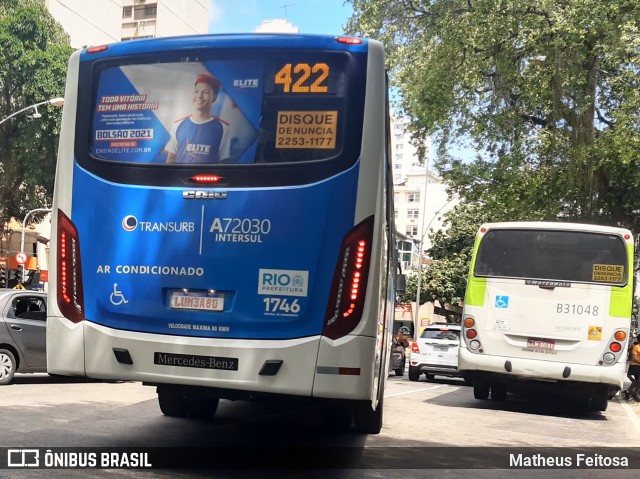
99, 48
69, 289
205, 178
349, 40
620, 336
346, 301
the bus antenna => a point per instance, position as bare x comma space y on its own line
285, 9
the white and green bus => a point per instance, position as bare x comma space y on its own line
547, 309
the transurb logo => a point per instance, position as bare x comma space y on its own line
283, 282
129, 223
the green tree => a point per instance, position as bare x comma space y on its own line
34, 51
445, 278
547, 91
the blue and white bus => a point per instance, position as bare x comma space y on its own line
223, 218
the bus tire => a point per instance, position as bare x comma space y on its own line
199, 407
366, 419
481, 390
599, 402
498, 392
338, 417
8, 366
172, 403
414, 374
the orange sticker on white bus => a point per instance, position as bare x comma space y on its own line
608, 273
595, 333
307, 129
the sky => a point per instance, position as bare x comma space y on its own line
310, 16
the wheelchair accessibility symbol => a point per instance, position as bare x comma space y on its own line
502, 301
117, 298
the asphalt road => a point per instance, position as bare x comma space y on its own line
430, 429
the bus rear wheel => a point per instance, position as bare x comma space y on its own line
366, 419
481, 390
338, 417
172, 403
202, 407
599, 402
498, 392
177, 403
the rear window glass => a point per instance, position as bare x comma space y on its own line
269, 108
571, 256
444, 333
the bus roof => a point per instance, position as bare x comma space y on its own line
555, 225
245, 40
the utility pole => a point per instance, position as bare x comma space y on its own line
420, 249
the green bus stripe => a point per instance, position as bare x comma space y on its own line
476, 287
476, 290
621, 301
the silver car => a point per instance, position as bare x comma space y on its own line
435, 352
23, 332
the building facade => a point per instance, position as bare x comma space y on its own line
420, 197
97, 22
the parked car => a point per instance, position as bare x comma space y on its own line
398, 357
23, 331
435, 352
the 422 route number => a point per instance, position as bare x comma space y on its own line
281, 305
305, 78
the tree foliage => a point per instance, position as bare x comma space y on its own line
34, 51
445, 278
547, 91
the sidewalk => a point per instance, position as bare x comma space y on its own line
631, 408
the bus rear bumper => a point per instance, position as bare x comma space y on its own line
518, 369
286, 367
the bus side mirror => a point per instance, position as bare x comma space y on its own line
401, 284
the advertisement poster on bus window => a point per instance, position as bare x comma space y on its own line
178, 113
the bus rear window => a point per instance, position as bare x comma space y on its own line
222, 110
570, 256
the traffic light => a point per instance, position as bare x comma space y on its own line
3, 275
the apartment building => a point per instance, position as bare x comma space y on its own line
420, 196
106, 21
98, 22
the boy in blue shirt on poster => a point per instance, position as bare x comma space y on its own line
200, 138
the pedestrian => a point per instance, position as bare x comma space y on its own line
633, 372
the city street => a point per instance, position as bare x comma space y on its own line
420, 419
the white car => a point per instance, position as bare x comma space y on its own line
435, 352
